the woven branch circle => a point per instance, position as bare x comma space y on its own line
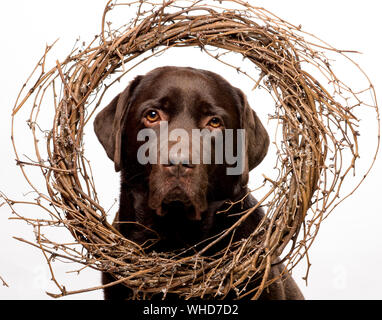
317, 151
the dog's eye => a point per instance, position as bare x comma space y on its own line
215, 122
152, 116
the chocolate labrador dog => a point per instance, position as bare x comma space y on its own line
171, 198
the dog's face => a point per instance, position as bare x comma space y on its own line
185, 101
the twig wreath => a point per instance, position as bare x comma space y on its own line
318, 150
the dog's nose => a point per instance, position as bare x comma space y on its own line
178, 166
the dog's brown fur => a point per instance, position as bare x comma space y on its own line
186, 98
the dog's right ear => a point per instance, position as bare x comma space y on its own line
257, 139
109, 122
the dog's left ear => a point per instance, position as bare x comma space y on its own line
257, 139
109, 122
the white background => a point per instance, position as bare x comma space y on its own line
346, 257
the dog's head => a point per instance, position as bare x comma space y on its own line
155, 131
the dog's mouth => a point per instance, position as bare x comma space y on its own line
177, 203
179, 208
